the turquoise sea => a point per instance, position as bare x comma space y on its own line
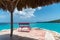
49, 26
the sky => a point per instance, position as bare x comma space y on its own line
39, 14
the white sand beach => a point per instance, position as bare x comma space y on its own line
36, 34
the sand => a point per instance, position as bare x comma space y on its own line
34, 34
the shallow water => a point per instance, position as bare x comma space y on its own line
49, 26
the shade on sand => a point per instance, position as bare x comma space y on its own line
10, 5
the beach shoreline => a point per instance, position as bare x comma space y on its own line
31, 34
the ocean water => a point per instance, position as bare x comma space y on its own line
4, 26
49, 26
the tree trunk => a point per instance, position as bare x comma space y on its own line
11, 24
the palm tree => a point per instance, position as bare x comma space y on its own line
10, 5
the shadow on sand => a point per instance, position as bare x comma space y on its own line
15, 37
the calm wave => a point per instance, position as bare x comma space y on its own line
49, 26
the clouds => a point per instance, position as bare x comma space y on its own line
38, 14
26, 13
39, 8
